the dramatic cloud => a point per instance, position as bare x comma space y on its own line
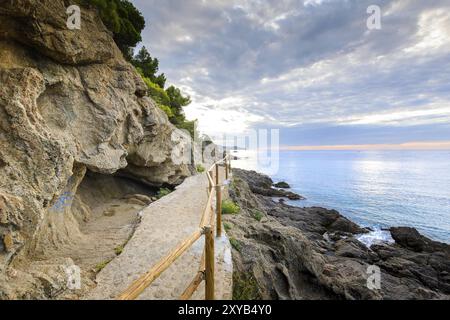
311, 67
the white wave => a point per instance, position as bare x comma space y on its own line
375, 237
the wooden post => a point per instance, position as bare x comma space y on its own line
211, 174
209, 263
226, 169
209, 184
217, 174
218, 211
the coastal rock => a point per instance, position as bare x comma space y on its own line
313, 253
282, 185
69, 104
411, 239
42, 26
262, 185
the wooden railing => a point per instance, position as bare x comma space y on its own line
206, 228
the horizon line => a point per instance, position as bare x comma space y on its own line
438, 145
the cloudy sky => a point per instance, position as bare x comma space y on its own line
311, 68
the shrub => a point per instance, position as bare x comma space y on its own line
163, 192
227, 226
245, 287
258, 215
235, 244
99, 267
118, 250
229, 207
166, 109
200, 168
234, 186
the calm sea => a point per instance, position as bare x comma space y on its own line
373, 188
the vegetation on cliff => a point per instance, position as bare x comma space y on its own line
123, 19
170, 100
126, 23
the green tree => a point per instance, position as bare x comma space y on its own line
126, 24
144, 61
149, 67
161, 80
123, 20
177, 102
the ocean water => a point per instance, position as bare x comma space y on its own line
375, 189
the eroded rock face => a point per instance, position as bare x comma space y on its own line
312, 253
68, 102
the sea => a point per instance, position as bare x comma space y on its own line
376, 189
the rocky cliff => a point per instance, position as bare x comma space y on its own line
286, 252
69, 104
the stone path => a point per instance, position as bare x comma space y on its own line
165, 223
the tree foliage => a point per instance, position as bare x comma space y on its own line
149, 67
126, 23
177, 102
123, 20
170, 100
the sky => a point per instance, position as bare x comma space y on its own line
310, 68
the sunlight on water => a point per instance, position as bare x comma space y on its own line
373, 188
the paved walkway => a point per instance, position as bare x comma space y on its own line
165, 223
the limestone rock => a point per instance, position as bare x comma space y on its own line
69, 103
8, 242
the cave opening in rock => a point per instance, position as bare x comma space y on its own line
108, 209
93, 218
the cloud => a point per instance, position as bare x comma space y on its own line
296, 64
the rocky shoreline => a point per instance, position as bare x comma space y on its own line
286, 252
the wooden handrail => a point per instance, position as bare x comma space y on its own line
193, 286
204, 220
145, 280
206, 227
195, 283
219, 210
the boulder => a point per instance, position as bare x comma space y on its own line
263, 185
411, 239
282, 185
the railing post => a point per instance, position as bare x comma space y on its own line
218, 211
209, 263
210, 184
226, 168
217, 174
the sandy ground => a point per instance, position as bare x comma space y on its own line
164, 224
